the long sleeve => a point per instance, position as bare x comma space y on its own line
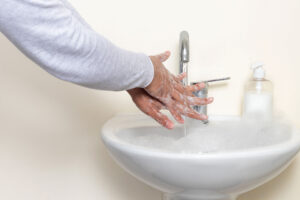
52, 34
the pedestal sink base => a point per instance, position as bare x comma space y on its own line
196, 197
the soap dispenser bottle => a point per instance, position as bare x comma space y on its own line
258, 99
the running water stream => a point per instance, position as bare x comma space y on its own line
185, 83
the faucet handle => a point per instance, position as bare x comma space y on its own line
218, 79
211, 80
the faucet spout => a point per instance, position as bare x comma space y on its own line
184, 55
184, 47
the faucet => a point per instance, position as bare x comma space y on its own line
184, 55
183, 67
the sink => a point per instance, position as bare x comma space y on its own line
186, 173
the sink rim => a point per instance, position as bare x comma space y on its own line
108, 137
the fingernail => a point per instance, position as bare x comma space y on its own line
181, 120
204, 117
202, 85
210, 99
170, 125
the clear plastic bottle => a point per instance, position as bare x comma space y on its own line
258, 99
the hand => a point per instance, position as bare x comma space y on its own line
169, 90
150, 106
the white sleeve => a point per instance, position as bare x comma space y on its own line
52, 34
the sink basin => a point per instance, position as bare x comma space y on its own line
185, 173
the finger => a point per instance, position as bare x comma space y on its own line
176, 114
181, 76
164, 56
179, 98
176, 79
189, 112
179, 87
162, 119
188, 90
199, 101
196, 87
183, 90
158, 105
195, 115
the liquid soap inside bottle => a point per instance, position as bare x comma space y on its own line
258, 100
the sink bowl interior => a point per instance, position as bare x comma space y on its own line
222, 134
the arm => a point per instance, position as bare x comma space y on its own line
51, 33
54, 36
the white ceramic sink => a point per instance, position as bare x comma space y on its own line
191, 176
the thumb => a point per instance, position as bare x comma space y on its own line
164, 56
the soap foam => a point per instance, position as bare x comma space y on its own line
214, 137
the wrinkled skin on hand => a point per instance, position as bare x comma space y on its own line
167, 92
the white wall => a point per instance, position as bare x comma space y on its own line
49, 130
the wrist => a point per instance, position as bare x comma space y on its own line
154, 64
134, 91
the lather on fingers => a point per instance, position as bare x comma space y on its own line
189, 112
169, 90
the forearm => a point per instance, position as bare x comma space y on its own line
55, 37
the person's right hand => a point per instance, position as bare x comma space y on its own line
169, 90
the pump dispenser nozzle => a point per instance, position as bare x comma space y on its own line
258, 70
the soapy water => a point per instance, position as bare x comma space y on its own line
216, 136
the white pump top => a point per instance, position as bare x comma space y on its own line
258, 70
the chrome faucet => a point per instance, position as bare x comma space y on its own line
183, 67
184, 55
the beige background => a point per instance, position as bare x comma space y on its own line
50, 147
